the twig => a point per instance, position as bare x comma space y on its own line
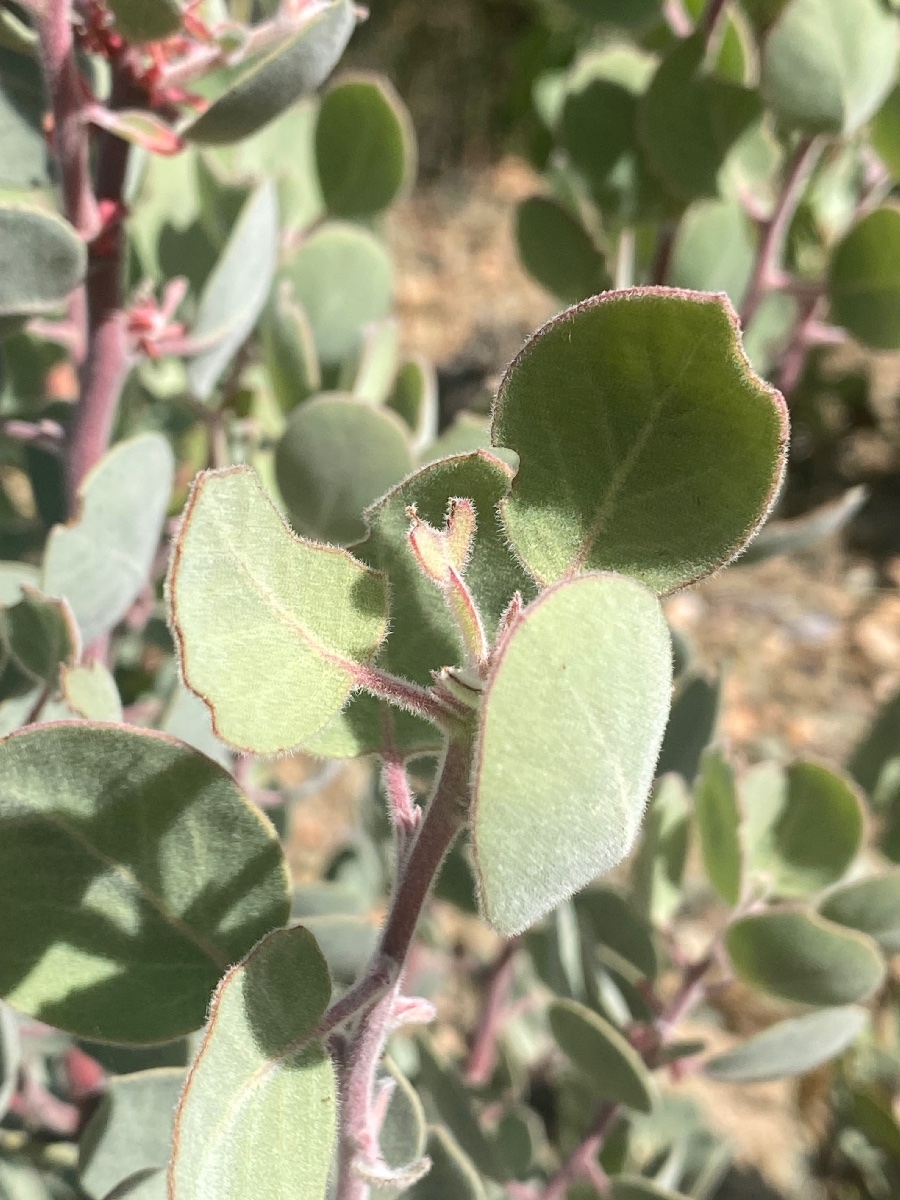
483, 1055
767, 269
422, 702
710, 18
582, 1162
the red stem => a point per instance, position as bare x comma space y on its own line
483, 1055
766, 272
582, 1162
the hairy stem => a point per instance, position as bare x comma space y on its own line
442, 823
767, 269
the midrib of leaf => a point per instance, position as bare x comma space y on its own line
210, 949
607, 505
282, 614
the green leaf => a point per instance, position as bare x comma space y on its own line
131, 1130
347, 944
237, 290
646, 443
534, 842
790, 1047
336, 456
452, 1176
802, 533
614, 923
145, 1185
714, 249
343, 279
96, 826
597, 1049
403, 1135
102, 560
42, 258
688, 120
468, 432
884, 132
365, 146
798, 956
456, 1108
372, 377
878, 746
415, 399
297, 61
691, 728
864, 280
90, 691
813, 832
719, 825
146, 20
557, 250
244, 590
828, 64
258, 1115
289, 350
40, 636
872, 906
23, 102
423, 636
662, 854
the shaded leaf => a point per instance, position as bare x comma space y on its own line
646, 444
803, 533
558, 251
718, 825
146, 20
23, 102
613, 922
243, 590
456, 1108
864, 280
10, 1057
365, 146
415, 398
131, 1129
289, 349
714, 249
799, 956
452, 1176
790, 1047
258, 1115
872, 906
597, 1049
692, 726
534, 843
40, 636
662, 854
637, 1187
337, 455
42, 258
101, 560
90, 691
347, 944
97, 824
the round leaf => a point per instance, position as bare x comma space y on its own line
614, 1069
872, 906
42, 259
96, 826
343, 279
545, 711
646, 443
798, 956
243, 591
146, 20
864, 280
337, 456
790, 1047
828, 64
557, 250
365, 147
714, 249
258, 1115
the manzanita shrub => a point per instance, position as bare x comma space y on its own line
747, 146
196, 243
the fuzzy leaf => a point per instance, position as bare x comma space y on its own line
90, 691
379, 358
337, 455
343, 279
96, 825
872, 906
237, 290
415, 398
42, 258
365, 146
718, 824
23, 103
403, 1135
289, 349
646, 443
244, 590
558, 251
40, 636
297, 62
799, 956
597, 1049
691, 728
864, 280
714, 249
131, 1130
102, 560
790, 1047
614, 922
534, 842
258, 1115
662, 854
828, 64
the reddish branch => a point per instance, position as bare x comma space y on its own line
483, 1055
